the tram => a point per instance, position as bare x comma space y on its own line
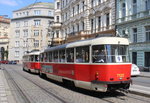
31, 62
99, 64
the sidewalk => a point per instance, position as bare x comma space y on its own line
145, 74
5, 92
139, 89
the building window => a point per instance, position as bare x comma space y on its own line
147, 4
57, 34
17, 43
27, 13
123, 9
107, 20
99, 1
73, 29
134, 35
50, 13
37, 22
73, 11
36, 43
92, 3
17, 33
24, 43
83, 5
25, 23
134, 6
36, 33
37, 12
50, 23
63, 3
92, 25
58, 5
16, 53
77, 27
25, 33
78, 8
99, 23
147, 31
66, 16
17, 24
83, 25
57, 20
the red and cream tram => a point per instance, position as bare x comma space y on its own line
31, 62
100, 64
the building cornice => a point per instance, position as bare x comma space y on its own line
28, 17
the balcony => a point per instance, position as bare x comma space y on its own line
56, 25
134, 17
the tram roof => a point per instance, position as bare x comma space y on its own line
95, 41
33, 53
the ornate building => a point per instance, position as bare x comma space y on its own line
133, 22
4, 37
83, 19
30, 29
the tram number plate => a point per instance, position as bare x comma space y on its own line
120, 75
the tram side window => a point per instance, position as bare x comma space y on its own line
32, 57
42, 57
82, 54
50, 56
70, 55
46, 57
62, 56
55, 53
98, 54
36, 58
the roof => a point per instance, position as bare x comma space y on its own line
33, 53
38, 5
95, 41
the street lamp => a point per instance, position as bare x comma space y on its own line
94, 13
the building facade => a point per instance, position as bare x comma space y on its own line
83, 19
56, 37
30, 29
4, 37
133, 22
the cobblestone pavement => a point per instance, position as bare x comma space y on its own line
31, 84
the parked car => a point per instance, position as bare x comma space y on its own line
135, 71
12, 62
4, 61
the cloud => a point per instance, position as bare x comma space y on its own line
9, 2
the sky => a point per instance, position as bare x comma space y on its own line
7, 6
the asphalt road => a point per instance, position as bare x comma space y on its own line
141, 81
27, 87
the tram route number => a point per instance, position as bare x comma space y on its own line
120, 75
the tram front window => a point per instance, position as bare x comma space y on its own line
109, 53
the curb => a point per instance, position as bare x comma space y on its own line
139, 93
144, 76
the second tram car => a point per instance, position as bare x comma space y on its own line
31, 62
100, 64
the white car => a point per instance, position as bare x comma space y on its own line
135, 71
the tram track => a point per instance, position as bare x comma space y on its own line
38, 85
105, 97
19, 90
63, 101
